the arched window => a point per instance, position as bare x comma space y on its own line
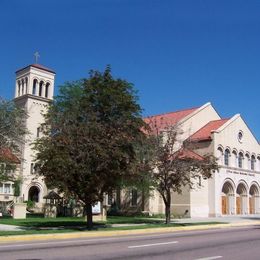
19, 87
247, 161
234, 158
26, 85
47, 90
34, 86
252, 162
226, 157
40, 88
240, 160
22, 86
220, 155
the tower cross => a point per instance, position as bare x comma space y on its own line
37, 56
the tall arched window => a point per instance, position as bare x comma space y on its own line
226, 157
247, 161
240, 160
252, 162
34, 86
47, 90
26, 85
19, 87
40, 88
22, 86
220, 155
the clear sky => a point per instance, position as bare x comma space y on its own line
178, 54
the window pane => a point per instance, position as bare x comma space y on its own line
134, 197
252, 163
240, 160
7, 188
226, 158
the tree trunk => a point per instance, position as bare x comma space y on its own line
89, 215
168, 207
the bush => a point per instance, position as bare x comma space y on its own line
30, 204
34, 215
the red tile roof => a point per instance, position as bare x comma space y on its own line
38, 66
6, 154
185, 153
163, 121
204, 133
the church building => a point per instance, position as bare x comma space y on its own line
233, 190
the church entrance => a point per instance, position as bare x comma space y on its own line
227, 198
241, 199
33, 194
253, 199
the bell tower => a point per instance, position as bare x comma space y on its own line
34, 89
36, 81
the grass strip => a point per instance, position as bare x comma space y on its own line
98, 227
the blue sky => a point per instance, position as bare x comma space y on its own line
178, 54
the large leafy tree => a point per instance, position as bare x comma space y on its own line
12, 134
174, 165
89, 138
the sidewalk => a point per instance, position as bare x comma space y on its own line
4, 227
230, 219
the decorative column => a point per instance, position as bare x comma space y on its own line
43, 89
18, 88
245, 203
257, 206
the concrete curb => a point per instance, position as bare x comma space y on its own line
91, 234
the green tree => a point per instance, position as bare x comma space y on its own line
173, 164
88, 146
12, 134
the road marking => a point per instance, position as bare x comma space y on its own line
156, 244
210, 257
51, 242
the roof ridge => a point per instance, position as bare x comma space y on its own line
221, 119
167, 113
193, 136
39, 66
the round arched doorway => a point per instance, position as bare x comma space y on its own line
253, 199
241, 199
227, 198
33, 194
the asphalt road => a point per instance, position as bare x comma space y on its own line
230, 243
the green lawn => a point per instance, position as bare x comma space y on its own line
61, 225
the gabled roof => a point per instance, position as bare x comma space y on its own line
185, 153
38, 66
52, 195
204, 133
163, 121
7, 155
